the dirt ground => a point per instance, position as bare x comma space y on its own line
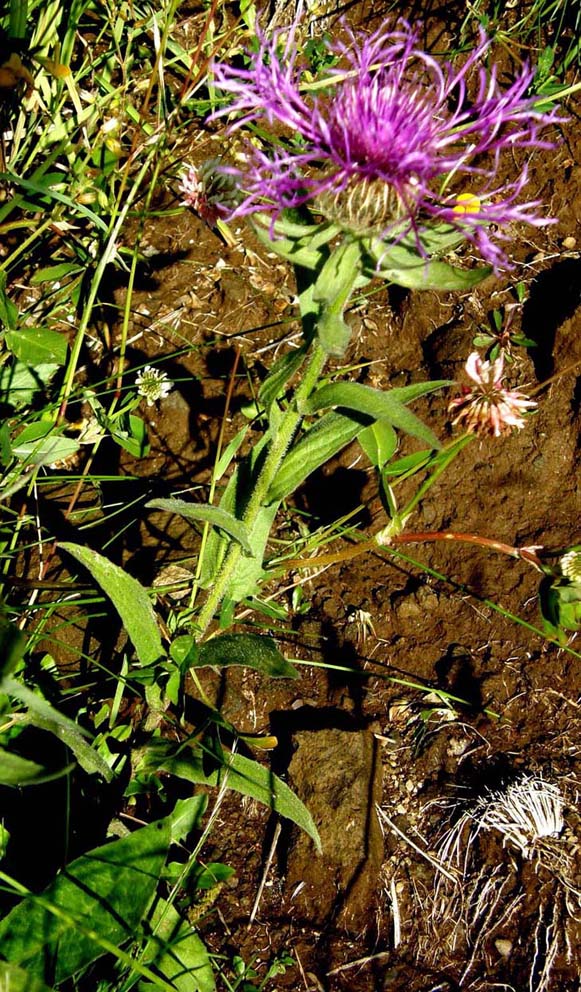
365, 914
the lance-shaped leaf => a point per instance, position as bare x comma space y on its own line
235, 772
379, 405
206, 513
407, 268
327, 438
282, 371
247, 650
16, 771
129, 599
332, 290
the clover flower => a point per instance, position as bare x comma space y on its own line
489, 408
571, 565
209, 191
153, 384
395, 135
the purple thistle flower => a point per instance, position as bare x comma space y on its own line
395, 135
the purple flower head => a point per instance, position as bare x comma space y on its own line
393, 138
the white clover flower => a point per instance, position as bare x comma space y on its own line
571, 565
488, 408
153, 384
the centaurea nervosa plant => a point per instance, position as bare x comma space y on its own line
394, 142
393, 163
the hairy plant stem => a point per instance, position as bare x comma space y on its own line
279, 445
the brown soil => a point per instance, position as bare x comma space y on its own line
347, 742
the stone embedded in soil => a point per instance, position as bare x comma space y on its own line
338, 774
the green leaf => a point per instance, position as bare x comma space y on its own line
560, 604
5, 444
186, 816
332, 290
214, 515
207, 876
437, 239
301, 244
15, 770
234, 498
54, 273
228, 453
184, 651
409, 463
379, 442
377, 404
41, 444
177, 952
129, 599
12, 647
101, 896
35, 345
250, 570
131, 435
19, 383
236, 772
282, 371
324, 440
47, 194
14, 979
41, 714
249, 650
407, 268
8, 311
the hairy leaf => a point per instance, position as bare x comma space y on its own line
248, 650
328, 436
129, 599
214, 515
376, 404
236, 772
